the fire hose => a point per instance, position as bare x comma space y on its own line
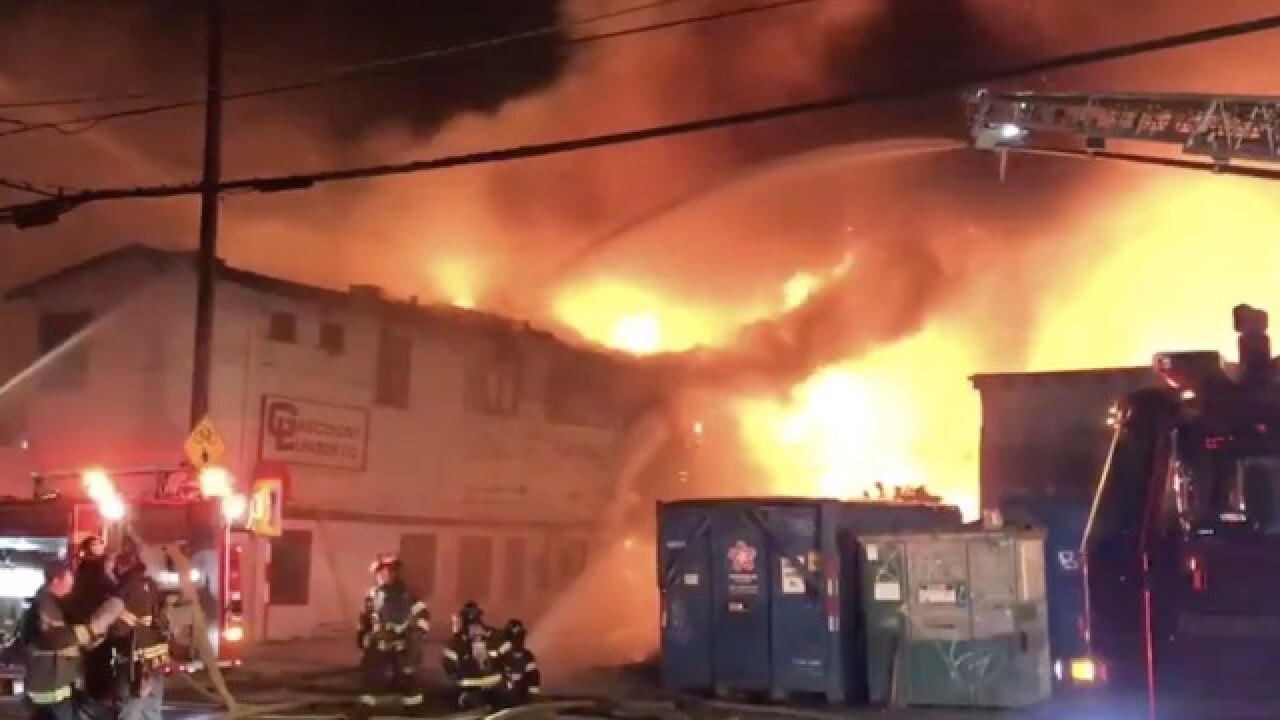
219, 692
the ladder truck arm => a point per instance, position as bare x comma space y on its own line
1220, 128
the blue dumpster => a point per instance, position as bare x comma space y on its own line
1063, 521
764, 595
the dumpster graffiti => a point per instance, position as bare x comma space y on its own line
974, 668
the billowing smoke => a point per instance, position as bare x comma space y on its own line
465, 232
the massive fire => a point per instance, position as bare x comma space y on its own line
854, 429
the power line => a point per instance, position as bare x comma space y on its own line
73, 100
47, 211
370, 65
28, 188
349, 73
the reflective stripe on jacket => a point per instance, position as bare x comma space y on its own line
53, 653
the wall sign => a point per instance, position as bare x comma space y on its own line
306, 432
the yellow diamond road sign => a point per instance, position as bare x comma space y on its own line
204, 445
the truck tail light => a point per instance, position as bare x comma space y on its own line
1081, 671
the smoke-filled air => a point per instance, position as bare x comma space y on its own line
835, 278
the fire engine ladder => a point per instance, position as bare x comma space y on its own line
1219, 128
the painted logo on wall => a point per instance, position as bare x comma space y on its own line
305, 432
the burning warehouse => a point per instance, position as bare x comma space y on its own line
482, 451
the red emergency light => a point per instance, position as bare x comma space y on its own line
1190, 370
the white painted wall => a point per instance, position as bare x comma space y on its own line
436, 467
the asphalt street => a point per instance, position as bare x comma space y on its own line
325, 694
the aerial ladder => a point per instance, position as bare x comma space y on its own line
1215, 130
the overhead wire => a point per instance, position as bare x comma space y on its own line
74, 100
28, 188
44, 211
79, 124
346, 70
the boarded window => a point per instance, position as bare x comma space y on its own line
516, 563
493, 388
70, 368
289, 574
333, 337
475, 567
282, 327
418, 553
395, 361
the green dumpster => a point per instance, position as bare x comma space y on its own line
956, 619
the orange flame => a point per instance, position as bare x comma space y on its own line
636, 320
457, 282
860, 429
850, 430
642, 321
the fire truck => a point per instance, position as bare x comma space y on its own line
160, 508
1182, 548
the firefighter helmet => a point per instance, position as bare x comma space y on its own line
386, 561
470, 613
91, 546
515, 631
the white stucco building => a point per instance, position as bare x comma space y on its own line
431, 431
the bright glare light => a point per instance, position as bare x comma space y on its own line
1009, 131
234, 506
1083, 671
215, 481
233, 633
168, 577
640, 334
97, 484
20, 582
100, 489
111, 507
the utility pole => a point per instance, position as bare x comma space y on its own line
207, 257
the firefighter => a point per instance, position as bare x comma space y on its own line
473, 659
392, 633
53, 647
521, 678
93, 587
93, 576
139, 640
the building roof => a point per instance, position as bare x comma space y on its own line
135, 251
983, 381
360, 297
